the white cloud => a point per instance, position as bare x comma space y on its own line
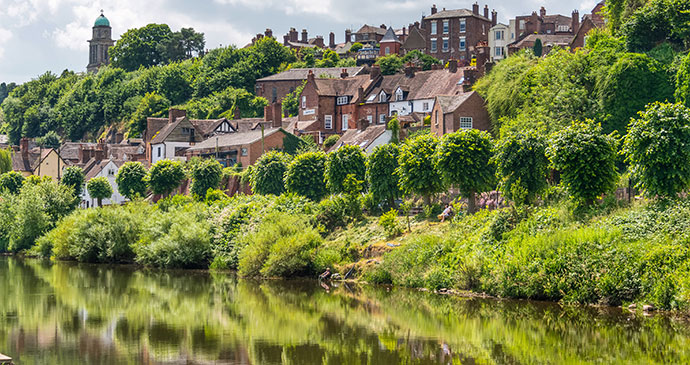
5, 36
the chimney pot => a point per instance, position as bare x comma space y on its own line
343, 73
433, 9
174, 113
363, 124
494, 18
331, 40
277, 115
486, 11
475, 8
305, 36
453, 65
542, 12
375, 72
310, 76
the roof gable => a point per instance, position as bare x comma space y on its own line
415, 40
390, 37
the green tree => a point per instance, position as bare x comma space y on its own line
131, 180
417, 167
394, 126
619, 94
464, 161
658, 21
99, 188
381, 175
537, 49
330, 141
390, 64
11, 182
348, 159
682, 93
291, 101
419, 59
586, 159
522, 166
657, 147
139, 47
206, 175
151, 105
74, 178
174, 83
5, 160
305, 175
356, 47
49, 140
165, 176
268, 174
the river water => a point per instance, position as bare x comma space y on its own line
67, 313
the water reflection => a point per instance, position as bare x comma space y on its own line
67, 313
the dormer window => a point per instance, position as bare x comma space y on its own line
399, 95
382, 97
342, 100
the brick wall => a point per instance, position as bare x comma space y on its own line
282, 88
476, 30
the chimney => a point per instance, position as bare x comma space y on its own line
348, 35
576, 21
494, 18
363, 124
174, 113
305, 36
310, 76
475, 8
268, 113
24, 147
343, 74
542, 12
237, 113
404, 31
277, 115
360, 94
375, 72
286, 39
453, 65
486, 11
535, 23
331, 40
433, 9
409, 70
268, 33
293, 35
319, 41
383, 26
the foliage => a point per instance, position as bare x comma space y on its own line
382, 178
682, 92
49, 140
330, 141
537, 49
165, 176
394, 126
586, 159
151, 105
99, 188
522, 166
356, 47
390, 64
131, 180
421, 60
73, 176
5, 160
205, 175
657, 147
291, 101
338, 211
417, 167
11, 182
269, 172
464, 161
390, 224
305, 175
658, 21
348, 159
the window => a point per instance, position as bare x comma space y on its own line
328, 121
159, 151
465, 123
425, 106
436, 118
244, 152
499, 35
463, 44
345, 122
388, 51
304, 102
342, 100
382, 97
548, 31
446, 27
274, 93
382, 118
463, 25
434, 47
370, 119
498, 51
433, 27
445, 45
522, 24
399, 95
186, 131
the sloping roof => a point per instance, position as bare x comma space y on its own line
423, 85
206, 126
390, 37
456, 13
163, 134
342, 87
343, 48
95, 167
450, 103
234, 139
360, 138
153, 125
546, 39
559, 20
30, 161
415, 40
367, 29
297, 74
70, 150
248, 124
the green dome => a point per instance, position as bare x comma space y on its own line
102, 21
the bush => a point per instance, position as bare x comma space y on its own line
165, 176
305, 175
331, 141
205, 175
11, 182
389, 222
131, 180
269, 173
74, 177
346, 160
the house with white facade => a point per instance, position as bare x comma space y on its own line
500, 36
105, 168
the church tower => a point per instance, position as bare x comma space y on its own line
100, 43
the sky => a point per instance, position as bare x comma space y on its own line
51, 35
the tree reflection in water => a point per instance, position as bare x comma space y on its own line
69, 313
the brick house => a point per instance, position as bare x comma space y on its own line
455, 34
546, 24
389, 44
37, 161
455, 112
415, 40
548, 41
589, 22
368, 34
275, 87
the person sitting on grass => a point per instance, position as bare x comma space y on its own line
446, 213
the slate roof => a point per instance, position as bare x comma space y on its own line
342, 87
30, 162
206, 126
153, 125
559, 20
390, 37
234, 139
297, 74
367, 29
70, 150
450, 103
164, 132
95, 167
363, 139
456, 13
415, 40
423, 85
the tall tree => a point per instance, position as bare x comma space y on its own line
348, 159
141, 47
206, 175
99, 188
417, 167
382, 177
268, 174
522, 166
74, 178
538, 51
131, 180
165, 176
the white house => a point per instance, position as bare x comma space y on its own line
108, 169
500, 36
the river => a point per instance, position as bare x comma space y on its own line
67, 313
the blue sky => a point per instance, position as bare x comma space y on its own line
50, 35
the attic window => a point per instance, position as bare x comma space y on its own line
342, 100
371, 98
382, 97
186, 131
399, 95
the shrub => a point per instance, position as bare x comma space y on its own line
269, 173
305, 175
346, 160
131, 180
205, 175
11, 182
100, 188
331, 141
389, 222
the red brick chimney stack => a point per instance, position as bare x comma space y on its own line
542, 12
486, 11
305, 36
348, 35
237, 113
343, 74
409, 70
453, 66
475, 8
277, 115
494, 17
24, 147
174, 113
375, 72
576, 21
433, 9
331, 40
310, 76
268, 113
